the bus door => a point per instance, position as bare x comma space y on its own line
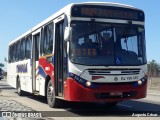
35, 57
60, 57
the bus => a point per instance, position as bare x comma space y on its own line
85, 52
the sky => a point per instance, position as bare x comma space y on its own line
18, 16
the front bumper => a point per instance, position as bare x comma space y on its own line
74, 91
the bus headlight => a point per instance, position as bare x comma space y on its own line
139, 82
82, 81
88, 83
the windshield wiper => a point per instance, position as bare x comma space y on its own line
126, 38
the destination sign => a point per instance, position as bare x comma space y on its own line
109, 12
84, 52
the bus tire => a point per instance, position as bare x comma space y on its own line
19, 91
53, 102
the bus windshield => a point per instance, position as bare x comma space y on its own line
97, 43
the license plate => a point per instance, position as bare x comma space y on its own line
117, 93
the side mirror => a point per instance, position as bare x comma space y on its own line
67, 32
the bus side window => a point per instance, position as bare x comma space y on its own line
47, 39
22, 49
13, 53
28, 44
17, 52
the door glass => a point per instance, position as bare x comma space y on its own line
37, 46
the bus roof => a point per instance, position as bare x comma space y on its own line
65, 10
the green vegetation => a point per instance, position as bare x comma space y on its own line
153, 69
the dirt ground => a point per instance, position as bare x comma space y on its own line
154, 83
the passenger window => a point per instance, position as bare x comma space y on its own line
47, 41
22, 56
14, 52
17, 51
28, 47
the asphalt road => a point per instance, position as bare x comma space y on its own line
144, 108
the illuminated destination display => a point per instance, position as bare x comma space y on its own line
84, 52
107, 12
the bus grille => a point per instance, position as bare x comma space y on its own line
113, 71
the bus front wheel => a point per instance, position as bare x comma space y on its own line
53, 102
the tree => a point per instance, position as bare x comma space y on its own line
153, 68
